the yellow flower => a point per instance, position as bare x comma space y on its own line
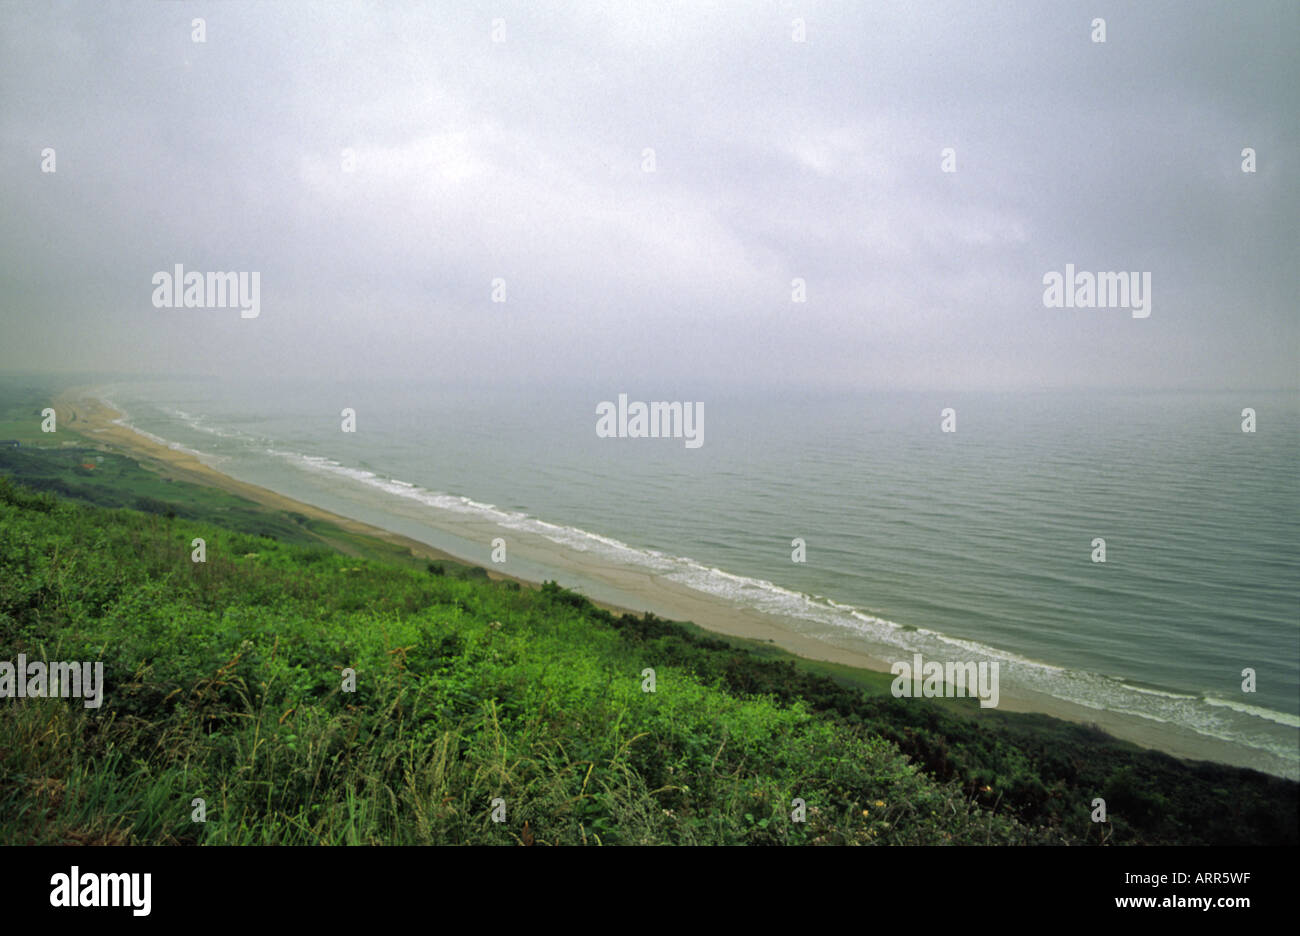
880, 802
864, 812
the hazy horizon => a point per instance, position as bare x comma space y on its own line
56, 380
523, 160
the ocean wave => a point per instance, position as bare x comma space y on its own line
200, 424
1282, 718
175, 446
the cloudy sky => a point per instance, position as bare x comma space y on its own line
524, 160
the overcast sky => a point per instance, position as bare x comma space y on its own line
774, 159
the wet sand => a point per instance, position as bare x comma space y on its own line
637, 591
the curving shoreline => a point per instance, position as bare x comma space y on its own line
637, 591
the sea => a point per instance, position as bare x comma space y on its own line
849, 516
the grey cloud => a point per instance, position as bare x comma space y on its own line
774, 160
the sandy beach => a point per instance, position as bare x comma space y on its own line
95, 420
99, 423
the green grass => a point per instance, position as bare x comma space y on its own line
21, 402
118, 481
224, 683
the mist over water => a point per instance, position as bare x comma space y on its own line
967, 545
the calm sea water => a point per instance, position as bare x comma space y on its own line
917, 539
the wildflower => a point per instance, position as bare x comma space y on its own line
864, 812
880, 802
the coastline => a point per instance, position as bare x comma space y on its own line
96, 422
